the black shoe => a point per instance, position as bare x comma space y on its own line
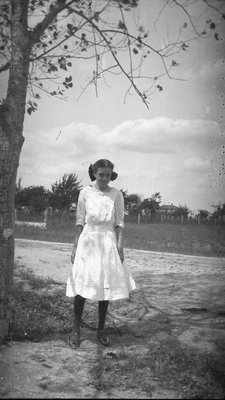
103, 337
74, 340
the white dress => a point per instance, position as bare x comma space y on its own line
97, 272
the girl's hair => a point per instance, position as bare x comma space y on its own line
103, 163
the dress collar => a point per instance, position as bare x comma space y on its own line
101, 191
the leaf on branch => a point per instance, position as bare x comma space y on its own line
69, 79
135, 51
184, 46
159, 87
216, 36
212, 25
33, 107
62, 63
70, 27
96, 16
185, 25
174, 63
67, 83
52, 68
121, 25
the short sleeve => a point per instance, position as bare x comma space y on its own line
119, 210
81, 213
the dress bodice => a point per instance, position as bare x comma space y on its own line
96, 207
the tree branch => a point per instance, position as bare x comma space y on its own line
128, 40
5, 67
113, 55
189, 17
212, 6
55, 10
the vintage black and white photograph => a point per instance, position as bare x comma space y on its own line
112, 199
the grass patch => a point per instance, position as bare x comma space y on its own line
192, 374
205, 240
35, 282
202, 240
38, 310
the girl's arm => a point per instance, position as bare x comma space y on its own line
119, 237
119, 223
80, 221
78, 231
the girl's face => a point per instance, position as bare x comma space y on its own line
103, 176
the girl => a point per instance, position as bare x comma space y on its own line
98, 272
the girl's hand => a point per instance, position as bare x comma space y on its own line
120, 251
73, 255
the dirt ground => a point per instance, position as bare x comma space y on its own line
186, 293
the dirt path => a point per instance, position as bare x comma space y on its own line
180, 299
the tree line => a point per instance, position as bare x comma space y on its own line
64, 193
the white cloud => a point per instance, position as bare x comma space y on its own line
164, 135
197, 164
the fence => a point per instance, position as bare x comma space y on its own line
60, 218
44, 219
162, 219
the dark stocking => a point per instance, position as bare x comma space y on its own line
102, 311
78, 310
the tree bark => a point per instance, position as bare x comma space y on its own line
11, 141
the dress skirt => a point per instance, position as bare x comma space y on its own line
97, 272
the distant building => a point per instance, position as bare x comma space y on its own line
167, 210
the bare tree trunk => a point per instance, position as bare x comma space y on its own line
11, 141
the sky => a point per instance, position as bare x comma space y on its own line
175, 147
